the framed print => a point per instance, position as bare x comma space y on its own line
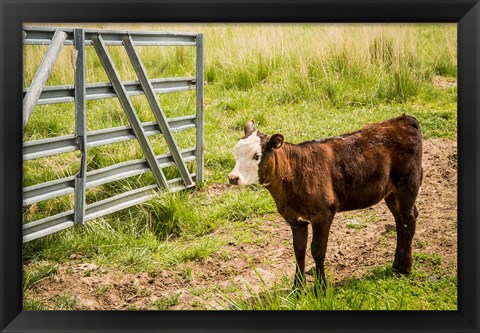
239, 166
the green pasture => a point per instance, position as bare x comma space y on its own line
307, 81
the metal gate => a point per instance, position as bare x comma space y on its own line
80, 92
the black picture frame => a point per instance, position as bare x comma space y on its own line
466, 13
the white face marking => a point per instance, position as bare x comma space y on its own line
246, 167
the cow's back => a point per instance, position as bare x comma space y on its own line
367, 163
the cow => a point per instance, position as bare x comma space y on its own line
313, 180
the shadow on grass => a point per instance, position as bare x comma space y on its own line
380, 273
428, 287
314, 297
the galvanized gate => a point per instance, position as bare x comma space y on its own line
38, 94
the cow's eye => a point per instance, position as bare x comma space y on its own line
256, 157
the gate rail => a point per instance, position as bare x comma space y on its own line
79, 93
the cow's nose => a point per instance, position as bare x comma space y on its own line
233, 179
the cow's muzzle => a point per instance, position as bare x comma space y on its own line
232, 179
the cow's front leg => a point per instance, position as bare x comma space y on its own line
300, 236
320, 229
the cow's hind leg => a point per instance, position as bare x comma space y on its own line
402, 206
320, 228
392, 204
409, 215
300, 236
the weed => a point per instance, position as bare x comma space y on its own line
65, 301
391, 234
356, 225
430, 259
34, 305
166, 302
197, 291
198, 305
88, 272
36, 273
198, 251
186, 273
102, 289
421, 243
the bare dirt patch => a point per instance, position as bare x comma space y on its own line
261, 253
218, 189
444, 82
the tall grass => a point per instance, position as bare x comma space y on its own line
303, 60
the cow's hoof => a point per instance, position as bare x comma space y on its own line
401, 270
298, 287
320, 290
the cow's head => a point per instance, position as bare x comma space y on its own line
253, 154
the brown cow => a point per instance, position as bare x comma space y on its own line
313, 180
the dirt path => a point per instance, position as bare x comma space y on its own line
359, 241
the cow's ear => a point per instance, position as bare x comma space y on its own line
276, 141
249, 128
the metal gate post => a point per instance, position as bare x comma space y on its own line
129, 110
49, 59
199, 105
157, 110
80, 125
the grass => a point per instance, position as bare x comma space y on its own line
167, 230
303, 80
64, 301
166, 302
34, 305
37, 273
379, 290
